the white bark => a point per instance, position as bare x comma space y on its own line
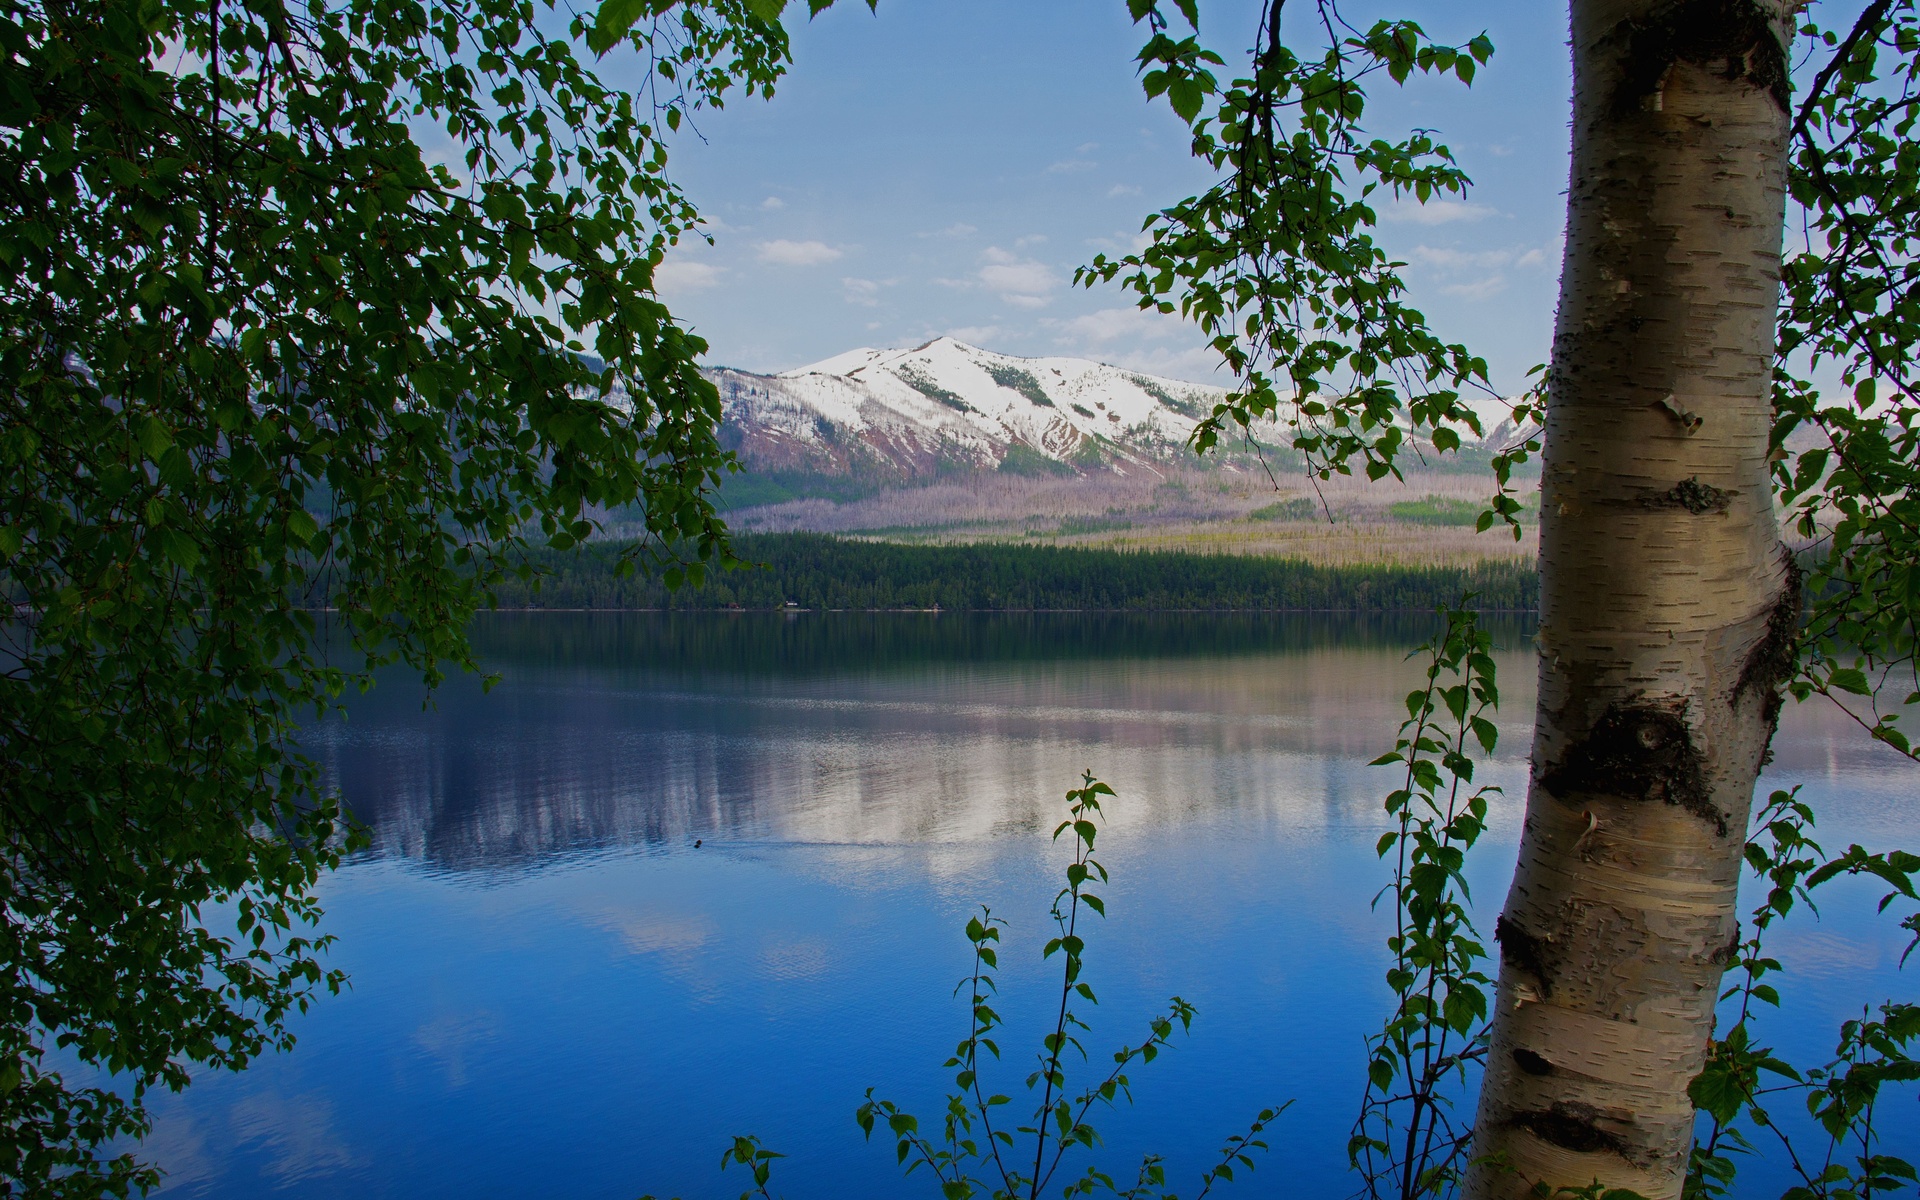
1666, 597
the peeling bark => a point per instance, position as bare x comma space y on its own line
1667, 607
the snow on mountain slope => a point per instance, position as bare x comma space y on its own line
945, 405
900, 415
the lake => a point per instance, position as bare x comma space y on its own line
677, 878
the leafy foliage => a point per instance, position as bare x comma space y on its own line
1742, 1080
975, 1154
1407, 1142
1851, 307
1277, 263
333, 305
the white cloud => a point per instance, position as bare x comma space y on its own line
1538, 256
679, 275
1452, 258
1122, 243
1032, 239
1018, 280
1197, 365
1070, 166
1436, 212
1031, 278
1115, 324
773, 204
1086, 147
975, 335
1445, 256
957, 229
1123, 189
1480, 289
1500, 151
782, 252
865, 291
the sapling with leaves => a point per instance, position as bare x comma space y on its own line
984, 1148
1744, 1085
1408, 1141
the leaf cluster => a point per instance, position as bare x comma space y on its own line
1407, 1142
1277, 262
1845, 466
1743, 1082
331, 309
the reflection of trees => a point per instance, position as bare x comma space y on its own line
839, 642
631, 731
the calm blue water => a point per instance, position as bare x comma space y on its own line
555, 993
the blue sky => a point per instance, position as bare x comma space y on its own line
943, 166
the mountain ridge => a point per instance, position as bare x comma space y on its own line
946, 406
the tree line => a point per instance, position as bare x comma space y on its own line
818, 571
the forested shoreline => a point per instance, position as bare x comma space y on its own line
817, 571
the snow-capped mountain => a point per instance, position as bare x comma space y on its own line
946, 405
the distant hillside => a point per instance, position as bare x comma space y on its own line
817, 572
949, 443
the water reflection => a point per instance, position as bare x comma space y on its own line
636, 730
643, 730
555, 994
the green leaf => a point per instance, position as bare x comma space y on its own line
614, 20
1849, 679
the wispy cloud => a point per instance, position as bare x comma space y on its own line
1022, 282
864, 291
1436, 212
1123, 189
1447, 257
1479, 289
1476, 274
773, 204
976, 335
956, 230
782, 252
683, 276
1108, 325
1195, 365
1070, 166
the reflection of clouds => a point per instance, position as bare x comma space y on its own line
797, 960
559, 761
1820, 952
603, 753
297, 1133
650, 931
448, 1039
179, 1145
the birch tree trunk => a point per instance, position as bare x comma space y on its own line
1667, 602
